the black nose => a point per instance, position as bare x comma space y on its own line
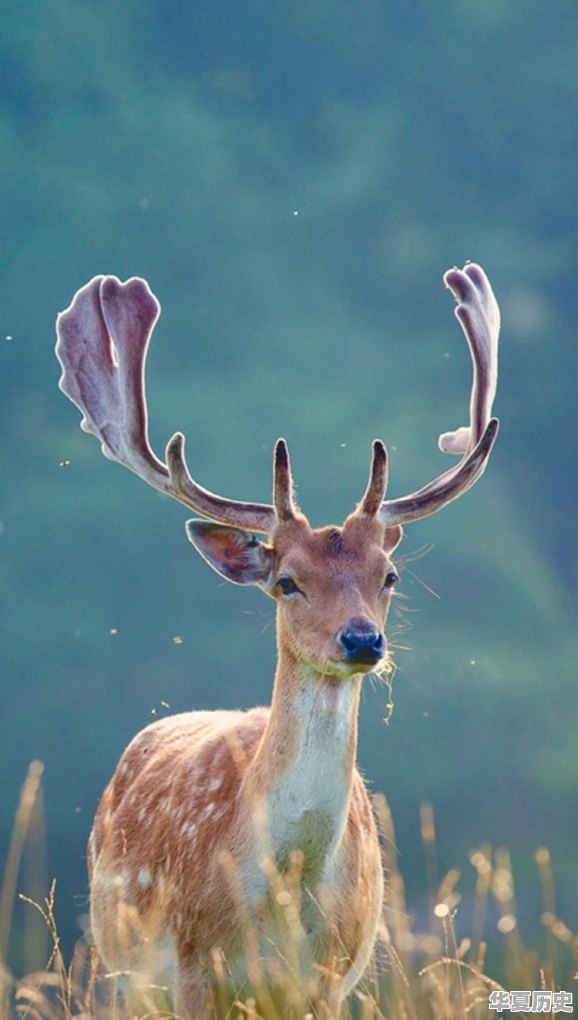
361, 641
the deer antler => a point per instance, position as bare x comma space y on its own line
479, 316
102, 345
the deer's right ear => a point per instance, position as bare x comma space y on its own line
235, 554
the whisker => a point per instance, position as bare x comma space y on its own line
417, 554
423, 583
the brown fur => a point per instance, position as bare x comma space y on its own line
182, 829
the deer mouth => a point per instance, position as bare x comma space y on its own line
366, 660
347, 666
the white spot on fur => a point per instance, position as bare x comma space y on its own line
119, 880
214, 785
144, 878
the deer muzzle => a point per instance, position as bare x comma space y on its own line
362, 642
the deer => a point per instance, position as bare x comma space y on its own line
201, 801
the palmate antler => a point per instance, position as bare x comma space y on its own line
102, 345
479, 316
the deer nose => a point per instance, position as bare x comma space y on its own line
361, 641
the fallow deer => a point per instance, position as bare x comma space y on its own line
176, 853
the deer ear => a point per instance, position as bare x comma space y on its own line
392, 538
235, 554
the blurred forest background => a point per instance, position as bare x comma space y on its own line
293, 179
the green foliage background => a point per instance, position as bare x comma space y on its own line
177, 140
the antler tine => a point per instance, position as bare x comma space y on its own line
377, 483
250, 516
478, 314
282, 483
102, 344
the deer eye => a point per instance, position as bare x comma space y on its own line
391, 579
288, 586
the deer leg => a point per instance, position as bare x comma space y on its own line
193, 999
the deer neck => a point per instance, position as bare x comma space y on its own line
303, 772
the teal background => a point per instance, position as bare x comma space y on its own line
176, 141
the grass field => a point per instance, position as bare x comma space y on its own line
418, 974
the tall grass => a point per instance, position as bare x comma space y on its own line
429, 974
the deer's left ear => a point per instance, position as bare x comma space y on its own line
392, 538
235, 554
